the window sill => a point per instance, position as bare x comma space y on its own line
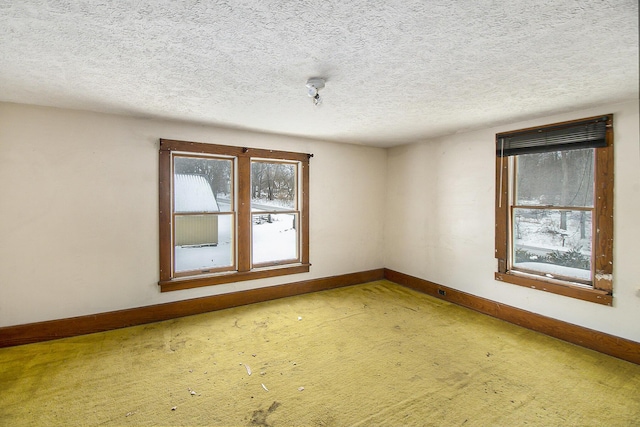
230, 277
556, 287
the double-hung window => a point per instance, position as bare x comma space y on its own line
229, 214
554, 208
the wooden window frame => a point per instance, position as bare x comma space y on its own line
243, 156
601, 287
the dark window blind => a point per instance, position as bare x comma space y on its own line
572, 136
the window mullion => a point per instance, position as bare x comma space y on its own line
243, 227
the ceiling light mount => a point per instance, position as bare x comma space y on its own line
314, 84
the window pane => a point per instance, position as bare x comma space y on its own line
558, 178
273, 186
553, 242
202, 184
274, 237
203, 242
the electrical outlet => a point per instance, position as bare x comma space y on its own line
442, 292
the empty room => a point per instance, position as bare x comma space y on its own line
319, 213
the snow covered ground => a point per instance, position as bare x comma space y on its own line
276, 241
538, 233
272, 241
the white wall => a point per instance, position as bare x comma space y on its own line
79, 210
440, 221
79, 220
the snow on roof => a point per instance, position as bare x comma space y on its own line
193, 194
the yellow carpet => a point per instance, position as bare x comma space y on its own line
367, 355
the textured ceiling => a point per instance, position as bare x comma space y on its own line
397, 71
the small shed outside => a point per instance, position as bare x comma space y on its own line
194, 204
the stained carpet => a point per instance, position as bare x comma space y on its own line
366, 355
